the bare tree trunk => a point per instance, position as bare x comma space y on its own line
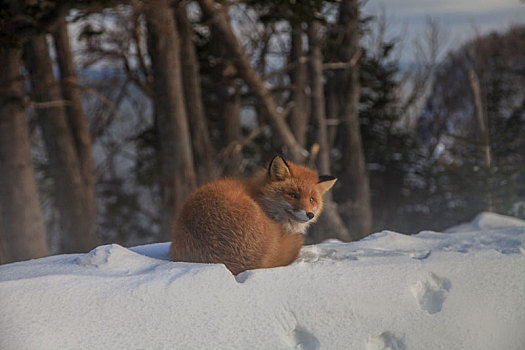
330, 223
332, 107
225, 75
318, 100
231, 112
357, 211
22, 229
483, 122
299, 77
222, 28
76, 118
78, 228
178, 177
203, 151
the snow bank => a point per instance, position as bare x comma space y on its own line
462, 290
487, 221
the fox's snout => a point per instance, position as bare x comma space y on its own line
304, 216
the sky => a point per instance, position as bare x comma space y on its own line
460, 19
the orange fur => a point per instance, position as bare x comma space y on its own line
250, 223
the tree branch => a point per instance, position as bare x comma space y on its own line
218, 20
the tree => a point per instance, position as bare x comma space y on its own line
230, 112
219, 23
330, 223
203, 151
355, 192
470, 129
177, 174
72, 200
76, 118
299, 79
22, 230
389, 147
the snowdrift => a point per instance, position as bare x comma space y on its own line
457, 290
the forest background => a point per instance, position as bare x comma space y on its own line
111, 112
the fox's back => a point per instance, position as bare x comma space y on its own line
221, 222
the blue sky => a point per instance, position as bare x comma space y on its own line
460, 19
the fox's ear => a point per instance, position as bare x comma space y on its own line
278, 170
325, 183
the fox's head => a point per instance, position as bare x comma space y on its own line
292, 194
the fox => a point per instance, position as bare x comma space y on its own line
252, 222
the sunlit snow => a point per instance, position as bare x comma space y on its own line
455, 290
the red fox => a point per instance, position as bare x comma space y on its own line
250, 223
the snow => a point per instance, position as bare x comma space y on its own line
487, 221
461, 290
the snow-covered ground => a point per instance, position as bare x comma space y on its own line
459, 290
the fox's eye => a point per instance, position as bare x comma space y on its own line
293, 195
312, 199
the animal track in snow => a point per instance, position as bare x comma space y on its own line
386, 341
314, 253
301, 338
431, 293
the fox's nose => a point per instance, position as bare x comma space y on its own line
310, 215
